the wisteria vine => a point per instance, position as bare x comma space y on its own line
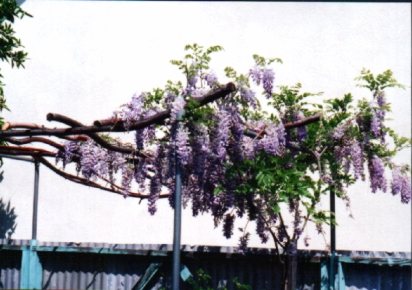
239, 159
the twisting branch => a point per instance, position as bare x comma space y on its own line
28, 151
99, 140
84, 181
23, 141
158, 118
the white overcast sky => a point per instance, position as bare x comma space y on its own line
89, 57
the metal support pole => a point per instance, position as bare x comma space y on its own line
35, 201
332, 242
177, 221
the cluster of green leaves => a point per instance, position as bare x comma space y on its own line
380, 82
11, 49
202, 281
196, 60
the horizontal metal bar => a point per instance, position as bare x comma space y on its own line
17, 158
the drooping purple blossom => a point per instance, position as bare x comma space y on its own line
261, 229
71, 149
211, 79
376, 174
192, 81
155, 187
228, 223
302, 132
401, 184
93, 160
375, 125
182, 147
256, 74
339, 132
268, 77
177, 108
357, 159
221, 137
248, 145
380, 99
248, 96
243, 242
132, 111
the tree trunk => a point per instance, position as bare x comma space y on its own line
290, 269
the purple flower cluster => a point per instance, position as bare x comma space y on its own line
228, 223
261, 229
177, 108
339, 132
377, 174
93, 160
356, 154
401, 184
248, 96
243, 242
268, 77
132, 111
221, 137
183, 150
211, 79
302, 132
274, 140
256, 74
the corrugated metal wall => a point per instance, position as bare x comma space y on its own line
102, 266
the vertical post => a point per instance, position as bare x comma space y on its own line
31, 268
177, 219
35, 201
332, 241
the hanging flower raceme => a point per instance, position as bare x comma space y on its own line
177, 108
183, 150
401, 184
377, 174
268, 77
221, 133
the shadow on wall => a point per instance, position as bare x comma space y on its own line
7, 220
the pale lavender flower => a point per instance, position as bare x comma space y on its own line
71, 150
248, 145
401, 184
396, 181
211, 79
88, 159
273, 141
221, 134
376, 174
177, 108
248, 96
256, 74
357, 159
376, 125
380, 98
406, 189
192, 81
133, 111
339, 132
267, 78
155, 188
182, 145
301, 130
